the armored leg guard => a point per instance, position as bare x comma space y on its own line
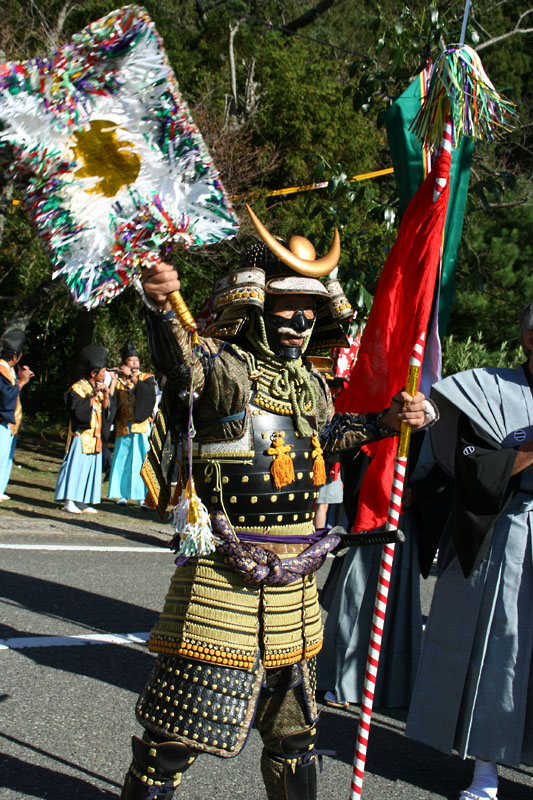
291, 774
156, 769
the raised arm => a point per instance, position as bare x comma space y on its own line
170, 344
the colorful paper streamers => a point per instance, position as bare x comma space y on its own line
117, 168
460, 86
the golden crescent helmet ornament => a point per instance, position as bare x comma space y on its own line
292, 256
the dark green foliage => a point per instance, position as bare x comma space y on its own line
495, 278
471, 353
315, 115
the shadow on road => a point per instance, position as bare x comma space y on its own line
81, 524
94, 611
36, 781
55, 758
396, 758
123, 666
117, 665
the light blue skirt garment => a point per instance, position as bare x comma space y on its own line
8, 442
80, 475
474, 688
331, 492
125, 477
342, 660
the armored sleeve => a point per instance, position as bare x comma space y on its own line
217, 374
349, 431
171, 350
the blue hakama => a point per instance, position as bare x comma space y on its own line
341, 663
80, 475
474, 689
8, 443
125, 477
476, 665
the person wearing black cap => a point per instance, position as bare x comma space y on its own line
136, 392
12, 379
91, 408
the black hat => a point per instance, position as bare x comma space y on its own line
128, 350
13, 341
93, 357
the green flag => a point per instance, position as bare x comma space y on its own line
411, 165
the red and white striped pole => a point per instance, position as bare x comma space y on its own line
384, 577
387, 557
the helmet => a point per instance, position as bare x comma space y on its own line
272, 268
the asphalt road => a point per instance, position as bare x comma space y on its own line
77, 603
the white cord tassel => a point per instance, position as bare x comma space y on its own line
191, 523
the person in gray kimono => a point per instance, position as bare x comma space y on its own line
237, 639
474, 687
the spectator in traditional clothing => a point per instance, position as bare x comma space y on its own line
349, 593
12, 379
474, 687
136, 395
91, 406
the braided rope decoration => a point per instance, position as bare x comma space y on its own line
261, 567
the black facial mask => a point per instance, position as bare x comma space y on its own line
299, 323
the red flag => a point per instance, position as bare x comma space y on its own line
400, 313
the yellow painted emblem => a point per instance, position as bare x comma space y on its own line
115, 161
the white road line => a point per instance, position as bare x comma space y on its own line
95, 547
21, 642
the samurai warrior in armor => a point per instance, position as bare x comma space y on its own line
237, 639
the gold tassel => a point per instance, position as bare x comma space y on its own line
319, 466
282, 468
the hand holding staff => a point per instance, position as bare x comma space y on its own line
159, 282
162, 285
406, 409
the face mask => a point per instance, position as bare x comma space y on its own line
298, 324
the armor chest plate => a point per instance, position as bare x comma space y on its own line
242, 484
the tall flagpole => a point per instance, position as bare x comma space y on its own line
387, 556
384, 578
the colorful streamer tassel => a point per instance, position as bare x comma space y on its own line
460, 86
194, 535
114, 163
282, 468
